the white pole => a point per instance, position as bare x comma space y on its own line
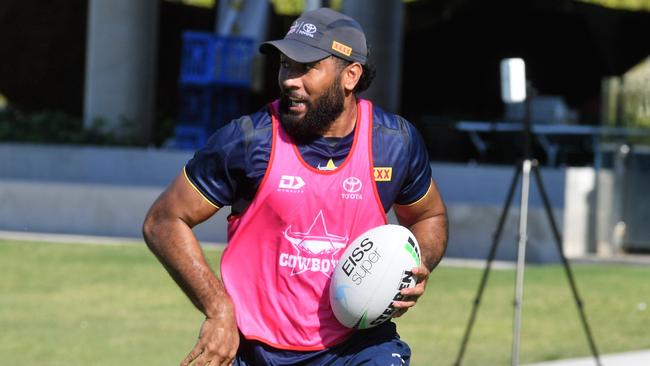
121, 66
521, 259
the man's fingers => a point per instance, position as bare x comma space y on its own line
406, 303
203, 360
416, 291
226, 362
202, 355
400, 312
231, 357
421, 273
194, 353
214, 358
410, 295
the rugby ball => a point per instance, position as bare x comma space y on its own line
370, 274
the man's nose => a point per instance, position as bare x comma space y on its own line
290, 80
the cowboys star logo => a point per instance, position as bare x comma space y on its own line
315, 245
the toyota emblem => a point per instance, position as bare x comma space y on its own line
352, 184
309, 28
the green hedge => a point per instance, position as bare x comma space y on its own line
61, 128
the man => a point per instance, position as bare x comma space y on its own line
304, 176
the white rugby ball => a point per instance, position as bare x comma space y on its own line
370, 274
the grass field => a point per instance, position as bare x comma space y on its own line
70, 304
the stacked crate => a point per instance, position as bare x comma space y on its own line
215, 81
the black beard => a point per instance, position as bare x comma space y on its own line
320, 115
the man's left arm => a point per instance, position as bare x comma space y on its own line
427, 220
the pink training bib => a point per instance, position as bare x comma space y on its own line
282, 250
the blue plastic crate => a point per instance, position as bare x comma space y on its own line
230, 103
211, 106
204, 109
210, 59
196, 105
190, 137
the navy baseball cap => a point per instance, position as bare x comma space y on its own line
320, 33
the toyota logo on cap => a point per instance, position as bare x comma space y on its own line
309, 28
352, 184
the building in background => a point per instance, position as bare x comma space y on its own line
449, 59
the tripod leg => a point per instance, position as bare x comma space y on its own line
567, 268
521, 259
493, 249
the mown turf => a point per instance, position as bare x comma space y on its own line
70, 304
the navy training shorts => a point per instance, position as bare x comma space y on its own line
380, 346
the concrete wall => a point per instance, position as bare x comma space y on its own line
88, 190
107, 191
475, 198
91, 165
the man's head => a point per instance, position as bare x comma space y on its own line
322, 62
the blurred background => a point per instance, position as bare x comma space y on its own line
102, 102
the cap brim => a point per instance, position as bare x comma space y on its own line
295, 50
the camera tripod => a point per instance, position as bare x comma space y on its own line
523, 169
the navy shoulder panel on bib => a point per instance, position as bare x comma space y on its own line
229, 168
401, 161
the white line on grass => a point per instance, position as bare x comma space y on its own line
78, 239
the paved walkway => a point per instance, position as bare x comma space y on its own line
637, 358
77, 239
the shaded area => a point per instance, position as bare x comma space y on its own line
43, 54
452, 51
43, 60
452, 54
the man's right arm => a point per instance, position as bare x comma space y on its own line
168, 232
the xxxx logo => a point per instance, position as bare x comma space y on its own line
383, 174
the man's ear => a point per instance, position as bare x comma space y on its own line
351, 75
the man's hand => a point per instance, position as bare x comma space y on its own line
168, 232
412, 294
427, 220
218, 341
